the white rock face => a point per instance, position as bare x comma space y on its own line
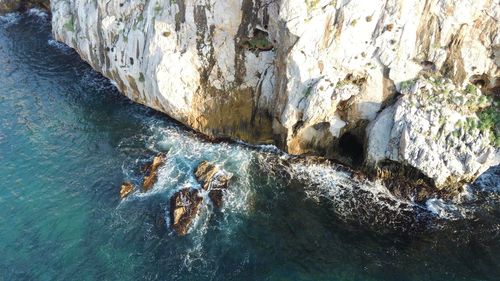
298, 73
185, 58
433, 127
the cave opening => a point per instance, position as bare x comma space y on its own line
480, 80
350, 146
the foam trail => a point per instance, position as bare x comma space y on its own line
65, 49
443, 210
351, 199
41, 15
489, 181
10, 19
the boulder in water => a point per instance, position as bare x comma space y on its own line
126, 189
214, 180
152, 171
204, 172
184, 206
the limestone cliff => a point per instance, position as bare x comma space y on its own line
307, 75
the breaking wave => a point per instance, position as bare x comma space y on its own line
10, 19
350, 198
60, 46
40, 15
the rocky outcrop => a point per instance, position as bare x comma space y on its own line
308, 76
184, 206
152, 171
126, 189
435, 127
214, 180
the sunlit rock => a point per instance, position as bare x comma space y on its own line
214, 180
152, 171
184, 206
126, 189
448, 133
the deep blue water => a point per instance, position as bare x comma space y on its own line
68, 140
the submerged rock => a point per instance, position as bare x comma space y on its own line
214, 180
152, 171
184, 206
126, 189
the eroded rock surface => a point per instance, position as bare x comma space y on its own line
300, 74
126, 189
438, 129
152, 171
214, 180
184, 206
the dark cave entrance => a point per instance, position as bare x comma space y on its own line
351, 147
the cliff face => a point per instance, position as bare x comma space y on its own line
314, 77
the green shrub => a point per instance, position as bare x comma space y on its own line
260, 44
157, 8
407, 85
470, 89
489, 120
70, 24
311, 4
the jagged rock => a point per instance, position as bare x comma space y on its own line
204, 172
409, 183
152, 171
214, 180
434, 127
126, 189
184, 206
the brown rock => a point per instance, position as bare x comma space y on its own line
214, 180
152, 170
204, 173
216, 197
184, 206
407, 182
126, 189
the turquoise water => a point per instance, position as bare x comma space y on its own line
68, 140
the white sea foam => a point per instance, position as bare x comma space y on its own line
444, 210
42, 16
60, 46
10, 19
94, 79
489, 181
351, 199
347, 194
185, 151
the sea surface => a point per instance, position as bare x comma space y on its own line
68, 139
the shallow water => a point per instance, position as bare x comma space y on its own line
68, 140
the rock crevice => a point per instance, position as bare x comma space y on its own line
303, 75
